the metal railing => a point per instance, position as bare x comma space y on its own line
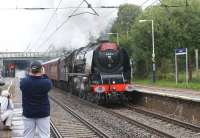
30, 54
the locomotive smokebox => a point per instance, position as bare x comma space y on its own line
108, 58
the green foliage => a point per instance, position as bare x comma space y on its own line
126, 18
171, 84
174, 27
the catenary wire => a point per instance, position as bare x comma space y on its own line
60, 26
144, 3
61, 8
154, 2
46, 26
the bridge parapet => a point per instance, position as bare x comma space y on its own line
4, 55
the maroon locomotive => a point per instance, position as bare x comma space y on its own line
99, 70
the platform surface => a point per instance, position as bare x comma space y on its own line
17, 120
185, 94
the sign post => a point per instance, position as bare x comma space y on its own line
181, 51
197, 60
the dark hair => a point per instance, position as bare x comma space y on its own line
34, 71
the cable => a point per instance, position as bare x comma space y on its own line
63, 8
144, 3
174, 6
64, 22
27, 47
152, 3
46, 26
167, 9
47, 39
54, 31
82, 13
77, 8
89, 6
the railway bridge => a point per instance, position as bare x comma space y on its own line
9, 61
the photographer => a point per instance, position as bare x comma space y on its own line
36, 108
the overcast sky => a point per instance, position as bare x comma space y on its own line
21, 29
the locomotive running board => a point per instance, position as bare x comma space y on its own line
111, 76
77, 74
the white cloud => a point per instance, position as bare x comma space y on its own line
19, 28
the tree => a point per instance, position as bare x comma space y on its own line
176, 25
126, 17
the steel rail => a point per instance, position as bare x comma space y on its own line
166, 118
144, 126
89, 125
129, 120
55, 131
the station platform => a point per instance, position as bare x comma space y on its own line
18, 127
183, 104
184, 94
186, 105
17, 122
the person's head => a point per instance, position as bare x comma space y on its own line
5, 93
36, 67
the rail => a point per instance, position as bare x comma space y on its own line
166, 118
89, 125
129, 120
54, 131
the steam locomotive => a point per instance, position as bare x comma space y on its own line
99, 72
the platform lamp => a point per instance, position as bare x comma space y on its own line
153, 51
117, 34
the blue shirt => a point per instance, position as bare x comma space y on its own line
35, 100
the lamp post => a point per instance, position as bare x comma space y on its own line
153, 51
117, 36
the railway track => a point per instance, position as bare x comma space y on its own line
54, 131
165, 118
129, 120
149, 128
125, 118
161, 127
83, 127
143, 126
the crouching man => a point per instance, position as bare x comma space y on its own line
7, 108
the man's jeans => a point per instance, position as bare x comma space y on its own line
42, 125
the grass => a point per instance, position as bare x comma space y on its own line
170, 82
195, 85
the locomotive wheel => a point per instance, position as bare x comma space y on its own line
81, 93
85, 95
100, 99
65, 86
90, 97
70, 87
123, 100
106, 99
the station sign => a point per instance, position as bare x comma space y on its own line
181, 51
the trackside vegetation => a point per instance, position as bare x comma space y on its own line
176, 25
